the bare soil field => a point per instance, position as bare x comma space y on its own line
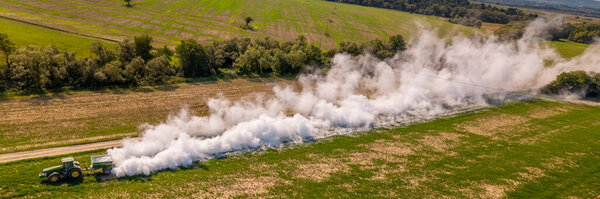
92, 116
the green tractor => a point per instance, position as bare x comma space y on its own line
68, 169
72, 170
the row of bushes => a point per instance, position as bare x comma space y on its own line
136, 62
466, 21
588, 85
582, 33
133, 63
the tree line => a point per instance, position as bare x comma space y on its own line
459, 11
474, 14
136, 62
586, 84
580, 33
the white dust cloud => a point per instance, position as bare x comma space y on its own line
432, 78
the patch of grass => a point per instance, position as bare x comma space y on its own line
23, 34
569, 49
433, 159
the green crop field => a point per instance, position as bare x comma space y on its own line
569, 49
527, 149
23, 34
323, 23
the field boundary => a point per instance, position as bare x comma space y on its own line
59, 30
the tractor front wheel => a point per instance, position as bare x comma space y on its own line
54, 177
75, 173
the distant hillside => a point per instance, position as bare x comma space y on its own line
323, 23
579, 7
572, 3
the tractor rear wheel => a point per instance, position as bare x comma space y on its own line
75, 173
54, 177
106, 170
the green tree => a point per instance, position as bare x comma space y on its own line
249, 62
511, 31
193, 59
111, 73
7, 47
32, 68
350, 48
397, 43
257, 59
143, 46
136, 70
574, 82
378, 48
101, 55
248, 20
126, 50
164, 51
159, 71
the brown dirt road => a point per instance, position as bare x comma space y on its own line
9, 157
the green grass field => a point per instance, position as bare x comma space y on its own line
569, 49
324, 23
528, 149
23, 34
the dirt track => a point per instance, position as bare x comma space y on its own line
9, 157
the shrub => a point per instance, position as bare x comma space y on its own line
136, 71
159, 71
193, 59
228, 73
112, 74
511, 31
575, 82
466, 21
350, 48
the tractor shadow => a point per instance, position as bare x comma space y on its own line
68, 182
100, 177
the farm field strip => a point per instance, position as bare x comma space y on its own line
23, 35
524, 149
91, 116
569, 49
170, 21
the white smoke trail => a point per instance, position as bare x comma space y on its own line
431, 78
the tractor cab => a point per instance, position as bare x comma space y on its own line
69, 168
68, 163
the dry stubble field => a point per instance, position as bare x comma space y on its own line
88, 116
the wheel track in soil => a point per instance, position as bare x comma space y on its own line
23, 155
